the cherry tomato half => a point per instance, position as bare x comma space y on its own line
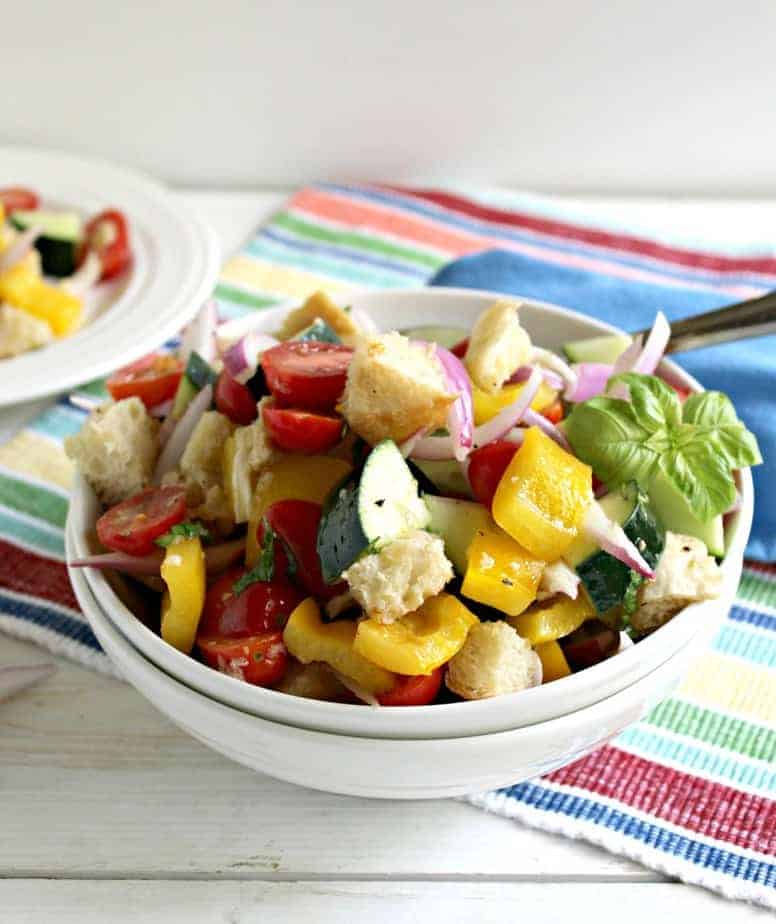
261, 607
307, 373
486, 467
107, 235
260, 659
301, 431
18, 199
132, 525
235, 400
414, 691
296, 522
154, 379
460, 348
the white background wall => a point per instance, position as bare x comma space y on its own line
563, 94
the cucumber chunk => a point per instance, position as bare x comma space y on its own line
196, 376
457, 522
369, 509
445, 475
437, 333
604, 349
671, 506
58, 242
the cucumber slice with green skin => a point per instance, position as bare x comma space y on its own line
318, 330
670, 505
604, 349
197, 374
368, 510
607, 580
437, 333
457, 522
446, 476
58, 242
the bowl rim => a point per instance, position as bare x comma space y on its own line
325, 712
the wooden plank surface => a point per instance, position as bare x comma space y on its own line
33, 902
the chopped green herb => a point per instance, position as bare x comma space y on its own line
189, 529
264, 569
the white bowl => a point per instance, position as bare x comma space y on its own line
549, 326
383, 768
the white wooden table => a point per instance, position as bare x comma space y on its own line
108, 813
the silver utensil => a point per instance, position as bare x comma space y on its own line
14, 679
755, 317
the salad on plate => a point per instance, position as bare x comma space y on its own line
408, 517
49, 260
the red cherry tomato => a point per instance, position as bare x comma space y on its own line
414, 691
154, 379
296, 522
132, 525
486, 467
107, 236
554, 412
18, 199
306, 373
460, 348
261, 607
261, 659
301, 431
235, 400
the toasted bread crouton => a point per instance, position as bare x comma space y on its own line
394, 388
245, 454
494, 660
21, 331
400, 577
116, 449
685, 574
497, 346
319, 305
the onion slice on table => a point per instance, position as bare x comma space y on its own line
19, 249
611, 537
242, 358
460, 415
177, 440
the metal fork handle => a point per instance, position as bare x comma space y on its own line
755, 317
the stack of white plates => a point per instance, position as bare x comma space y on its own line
420, 752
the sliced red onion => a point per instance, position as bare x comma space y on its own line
460, 415
522, 374
591, 381
625, 642
559, 578
181, 434
17, 677
408, 446
533, 418
509, 416
550, 360
217, 558
612, 539
161, 411
199, 336
18, 249
87, 275
432, 448
168, 425
516, 435
242, 357
644, 360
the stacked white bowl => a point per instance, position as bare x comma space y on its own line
400, 752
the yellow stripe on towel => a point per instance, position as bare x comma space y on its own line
719, 681
279, 280
29, 453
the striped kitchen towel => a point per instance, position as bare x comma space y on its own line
689, 790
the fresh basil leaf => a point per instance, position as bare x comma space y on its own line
264, 569
606, 434
702, 476
189, 529
656, 404
630, 602
714, 417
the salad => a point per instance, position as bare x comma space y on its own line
414, 517
48, 262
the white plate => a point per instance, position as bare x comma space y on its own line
176, 262
549, 326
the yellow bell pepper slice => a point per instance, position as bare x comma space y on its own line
487, 406
309, 478
500, 572
309, 639
183, 571
542, 496
553, 619
22, 288
554, 663
419, 642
